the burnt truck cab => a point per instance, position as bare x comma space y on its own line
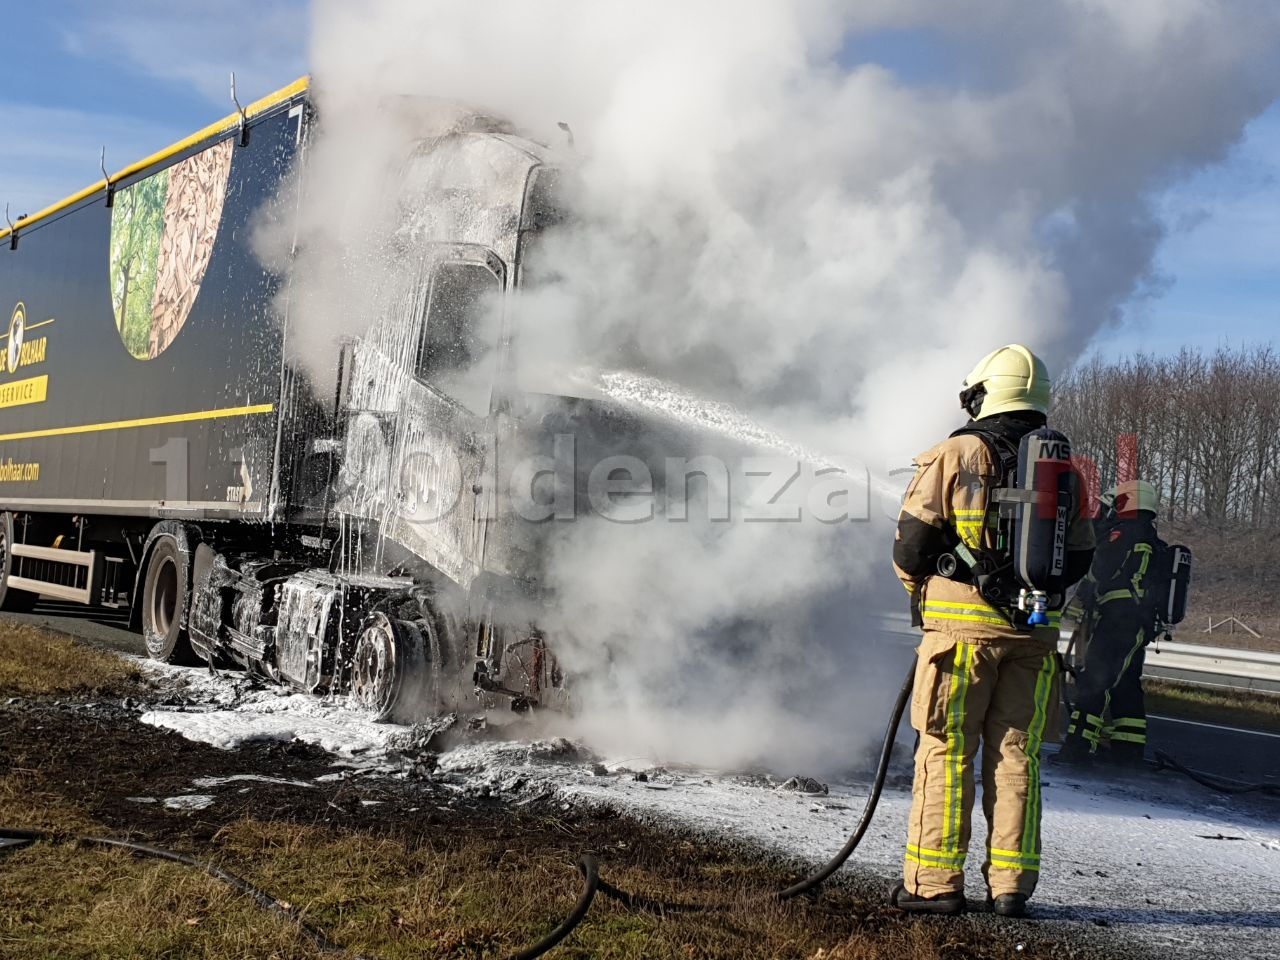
427, 599
183, 437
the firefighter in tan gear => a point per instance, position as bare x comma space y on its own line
983, 675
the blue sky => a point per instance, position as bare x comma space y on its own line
133, 77
1222, 253
136, 76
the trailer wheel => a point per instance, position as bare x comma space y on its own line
165, 594
15, 601
387, 667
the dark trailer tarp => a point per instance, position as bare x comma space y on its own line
141, 366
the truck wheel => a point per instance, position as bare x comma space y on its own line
15, 601
387, 666
165, 594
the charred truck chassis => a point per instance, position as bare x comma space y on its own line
202, 490
397, 646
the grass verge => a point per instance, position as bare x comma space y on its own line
37, 663
1252, 711
479, 892
484, 896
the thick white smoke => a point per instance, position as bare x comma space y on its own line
821, 241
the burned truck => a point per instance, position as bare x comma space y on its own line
164, 450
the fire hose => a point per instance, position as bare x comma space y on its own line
25, 838
594, 884
813, 881
1164, 761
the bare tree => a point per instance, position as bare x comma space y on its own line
1208, 428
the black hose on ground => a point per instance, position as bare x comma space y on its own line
587, 866
1221, 784
820, 876
590, 871
261, 897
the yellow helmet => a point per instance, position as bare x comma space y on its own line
1134, 495
1008, 379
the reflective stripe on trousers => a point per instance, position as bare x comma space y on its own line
1128, 734
1128, 729
1093, 727
1002, 694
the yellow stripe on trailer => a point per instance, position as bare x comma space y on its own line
142, 422
225, 125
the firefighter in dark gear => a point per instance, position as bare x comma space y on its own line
982, 674
1116, 607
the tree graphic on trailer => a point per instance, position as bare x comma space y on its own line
137, 225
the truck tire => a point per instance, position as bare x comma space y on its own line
166, 592
388, 666
14, 601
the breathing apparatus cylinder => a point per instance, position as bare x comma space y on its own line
1025, 569
1040, 505
1173, 605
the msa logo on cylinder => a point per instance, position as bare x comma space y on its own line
1041, 508
1054, 450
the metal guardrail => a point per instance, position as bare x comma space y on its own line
1190, 663
1213, 666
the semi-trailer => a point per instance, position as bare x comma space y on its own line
164, 449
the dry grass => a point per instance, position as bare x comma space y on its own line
37, 663
397, 899
1235, 574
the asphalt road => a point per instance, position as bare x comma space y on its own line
1245, 755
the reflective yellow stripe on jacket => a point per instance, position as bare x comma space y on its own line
1135, 589
968, 524
975, 613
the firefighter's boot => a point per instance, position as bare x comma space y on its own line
949, 903
1009, 905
